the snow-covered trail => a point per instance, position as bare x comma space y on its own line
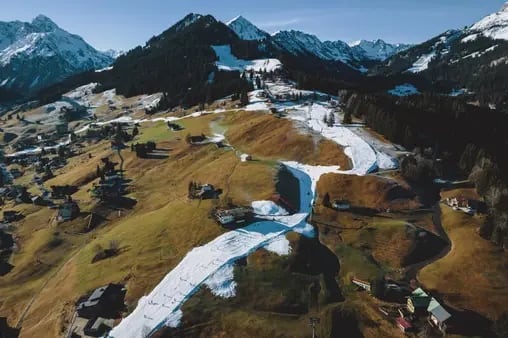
162, 306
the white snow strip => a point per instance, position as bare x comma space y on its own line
222, 283
268, 208
156, 309
422, 63
229, 62
279, 246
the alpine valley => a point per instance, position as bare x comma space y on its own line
221, 180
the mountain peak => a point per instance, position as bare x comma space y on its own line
494, 26
245, 29
44, 23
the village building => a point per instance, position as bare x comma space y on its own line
342, 205
174, 126
106, 301
462, 204
234, 215
361, 283
38, 200
418, 302
199, 139
204, 191
11, 216
438, 315
403, 324
245, 158
67, 211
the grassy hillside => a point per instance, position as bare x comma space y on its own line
474, 273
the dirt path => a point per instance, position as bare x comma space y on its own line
411, 271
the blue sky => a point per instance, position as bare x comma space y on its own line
123, 24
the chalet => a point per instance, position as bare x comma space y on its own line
403, 324
234, 215
11, 216
38, 200
438, 315
342, 205
106, 301
361, 283
418, 302
67, 211
245, 158
174, 126
199, 139
204, 191
461, 203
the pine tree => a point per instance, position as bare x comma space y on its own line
244, 98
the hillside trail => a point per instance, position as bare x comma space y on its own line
411, 271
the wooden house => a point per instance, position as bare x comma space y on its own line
418, 302
438, 315
106, 301
403, 324
342, 205
67, 211
11, 216
234, 215
361, 283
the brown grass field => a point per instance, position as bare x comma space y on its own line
474, 274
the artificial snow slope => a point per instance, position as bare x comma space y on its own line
162, 306
362, 155
228, 62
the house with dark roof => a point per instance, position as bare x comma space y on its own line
106, 301
418, 302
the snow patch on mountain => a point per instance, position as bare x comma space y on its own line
494, 26
39, 52
229, 62
245, 29
378, 49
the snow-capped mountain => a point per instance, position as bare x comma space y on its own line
246, 30
39, 53
494, 26
298, 42
113, 53
377, 50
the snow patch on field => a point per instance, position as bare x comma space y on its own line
268, 208
222, 283
162, 306
229, 62
279, 246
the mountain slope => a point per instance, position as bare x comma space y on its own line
246, 30
34, 55
377, 50
473, 60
